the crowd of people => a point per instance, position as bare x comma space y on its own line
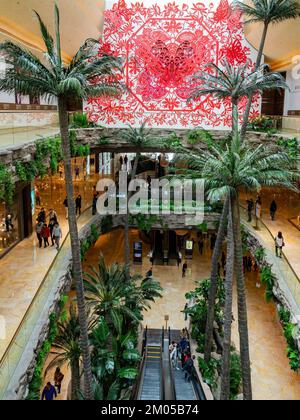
50, 230
181, 357
51, 391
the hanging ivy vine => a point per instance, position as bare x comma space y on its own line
6, 185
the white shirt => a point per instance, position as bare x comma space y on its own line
279, 242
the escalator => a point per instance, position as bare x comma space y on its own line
158, 256
151, 379
158, 380
185, 387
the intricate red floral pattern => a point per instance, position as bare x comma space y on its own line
163, 47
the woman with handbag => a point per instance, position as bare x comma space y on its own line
279, 244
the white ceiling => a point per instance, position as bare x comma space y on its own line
80, 19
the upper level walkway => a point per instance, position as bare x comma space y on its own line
286, 221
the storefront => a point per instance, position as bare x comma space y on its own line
15, 219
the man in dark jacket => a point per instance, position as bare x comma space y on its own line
273, 209
49, 392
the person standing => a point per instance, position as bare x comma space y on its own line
188, 367
279, 244
78, 203
37, 197
42, 216
179, 258
57, 235
51, 227
94, 205
174, 357
273, 209
58, 378
52, 215
184, 268
126, 161
39, 228
49, 392
201, 245
45, 233
65, 203
8, 223
77, 172
250, 206
213, 239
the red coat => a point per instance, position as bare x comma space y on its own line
45, 232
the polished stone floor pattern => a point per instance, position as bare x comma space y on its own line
24, 268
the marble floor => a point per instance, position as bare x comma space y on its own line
24, 268
11, 138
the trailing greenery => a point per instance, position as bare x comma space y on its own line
80, 120
87, 243
144, 222
7, 188
290, 145
268, 279
77, 149
199, 135
198, 312
106, 224
290, 330
172, 142
37, 378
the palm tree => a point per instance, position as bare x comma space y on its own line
234, 84
106, 290
138, 137
225, 370
85, 76
267, 12
227, 170
68, 350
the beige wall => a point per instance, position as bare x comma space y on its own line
80, 19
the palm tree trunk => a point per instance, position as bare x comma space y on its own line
75, 247
235, 120
126, 222
75, 380
214, 282
242, 305
258, 63
225, 373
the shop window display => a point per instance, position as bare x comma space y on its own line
9, 228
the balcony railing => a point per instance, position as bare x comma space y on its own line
21, 127
282, 266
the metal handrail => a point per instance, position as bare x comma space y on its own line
162, 386
136, 389
5, 355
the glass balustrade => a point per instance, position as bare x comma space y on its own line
21, 127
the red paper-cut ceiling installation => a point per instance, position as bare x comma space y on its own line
163, 46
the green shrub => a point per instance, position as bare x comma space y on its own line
235, 374
262, 124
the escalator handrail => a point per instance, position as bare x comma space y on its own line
172, 379
137, 386
197, 386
